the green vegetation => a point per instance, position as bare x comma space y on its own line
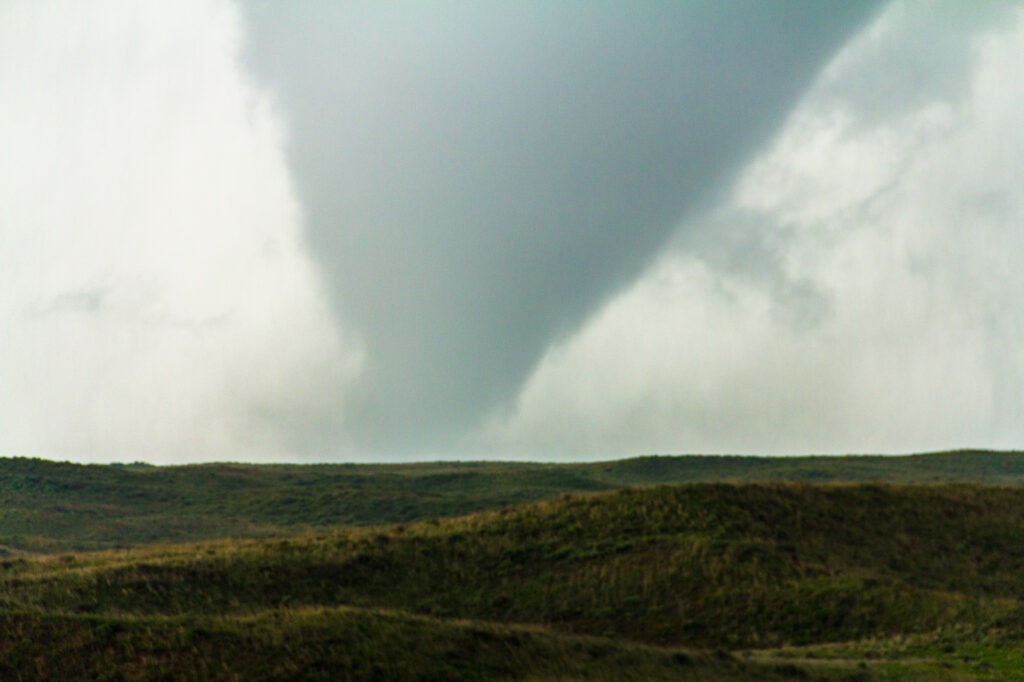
52, 507
341, 644
796, 581
355, 572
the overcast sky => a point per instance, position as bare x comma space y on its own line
365, 230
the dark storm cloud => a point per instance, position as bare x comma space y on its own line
478, 177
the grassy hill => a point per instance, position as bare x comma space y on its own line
702, 568
345, 644
335, 644
797, 581
50, 506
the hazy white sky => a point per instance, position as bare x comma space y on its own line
365, 230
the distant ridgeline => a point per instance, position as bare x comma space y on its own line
57, 506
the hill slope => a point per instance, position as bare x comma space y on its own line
866, 582
338, 644
697, 565
50, 506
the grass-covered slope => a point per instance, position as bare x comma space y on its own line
622, 585
49, 506
334, 644
698, 565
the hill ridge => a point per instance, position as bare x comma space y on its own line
59, 506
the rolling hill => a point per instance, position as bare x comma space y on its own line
782, 580
53, 506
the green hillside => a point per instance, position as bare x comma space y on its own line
50, 506
797, 581
333, 644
